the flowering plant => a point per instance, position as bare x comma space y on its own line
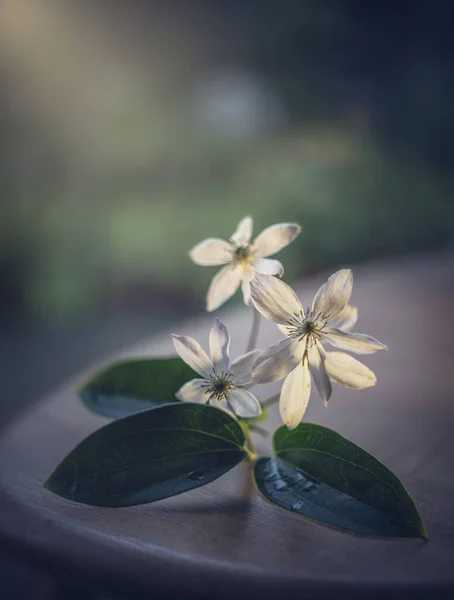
181, 422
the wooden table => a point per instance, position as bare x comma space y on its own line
223, 539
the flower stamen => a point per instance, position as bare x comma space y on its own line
220, 387
310, 326
244, 255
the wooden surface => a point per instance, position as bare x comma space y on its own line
223, 539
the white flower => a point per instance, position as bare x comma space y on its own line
242, 259
300, 354
224, 384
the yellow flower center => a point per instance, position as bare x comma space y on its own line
244, 255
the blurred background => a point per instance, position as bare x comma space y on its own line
131, 130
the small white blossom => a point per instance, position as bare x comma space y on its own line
223, 384
300, 354
242, 259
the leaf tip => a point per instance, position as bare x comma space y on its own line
48, 484
424, 533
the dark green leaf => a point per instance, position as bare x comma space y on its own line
127, 387
285, 486
359, 492
150, 455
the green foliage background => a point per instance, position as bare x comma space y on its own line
107, 179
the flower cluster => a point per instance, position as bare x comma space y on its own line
157, 448
300, 357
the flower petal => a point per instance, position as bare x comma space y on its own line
212, 252
193, 355
193, 391
274, 299
241, 368
349, 372
223, 285
278, 360
354, 342
274, 238
248, 276
268, 266
334, 294
295, 394
283, 329
346, 319
243, 232
222, 404
316, 356
219, 347
244, 404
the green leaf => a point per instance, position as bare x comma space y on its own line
127, 387
320, 474
150, 455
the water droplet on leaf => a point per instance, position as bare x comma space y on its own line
271, 472
280, 485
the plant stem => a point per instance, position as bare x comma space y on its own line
252, 343
251, 455
271, 401
250, 443
250, 449
260, 430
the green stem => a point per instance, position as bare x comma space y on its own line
250, 448
252, 343
251, 455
